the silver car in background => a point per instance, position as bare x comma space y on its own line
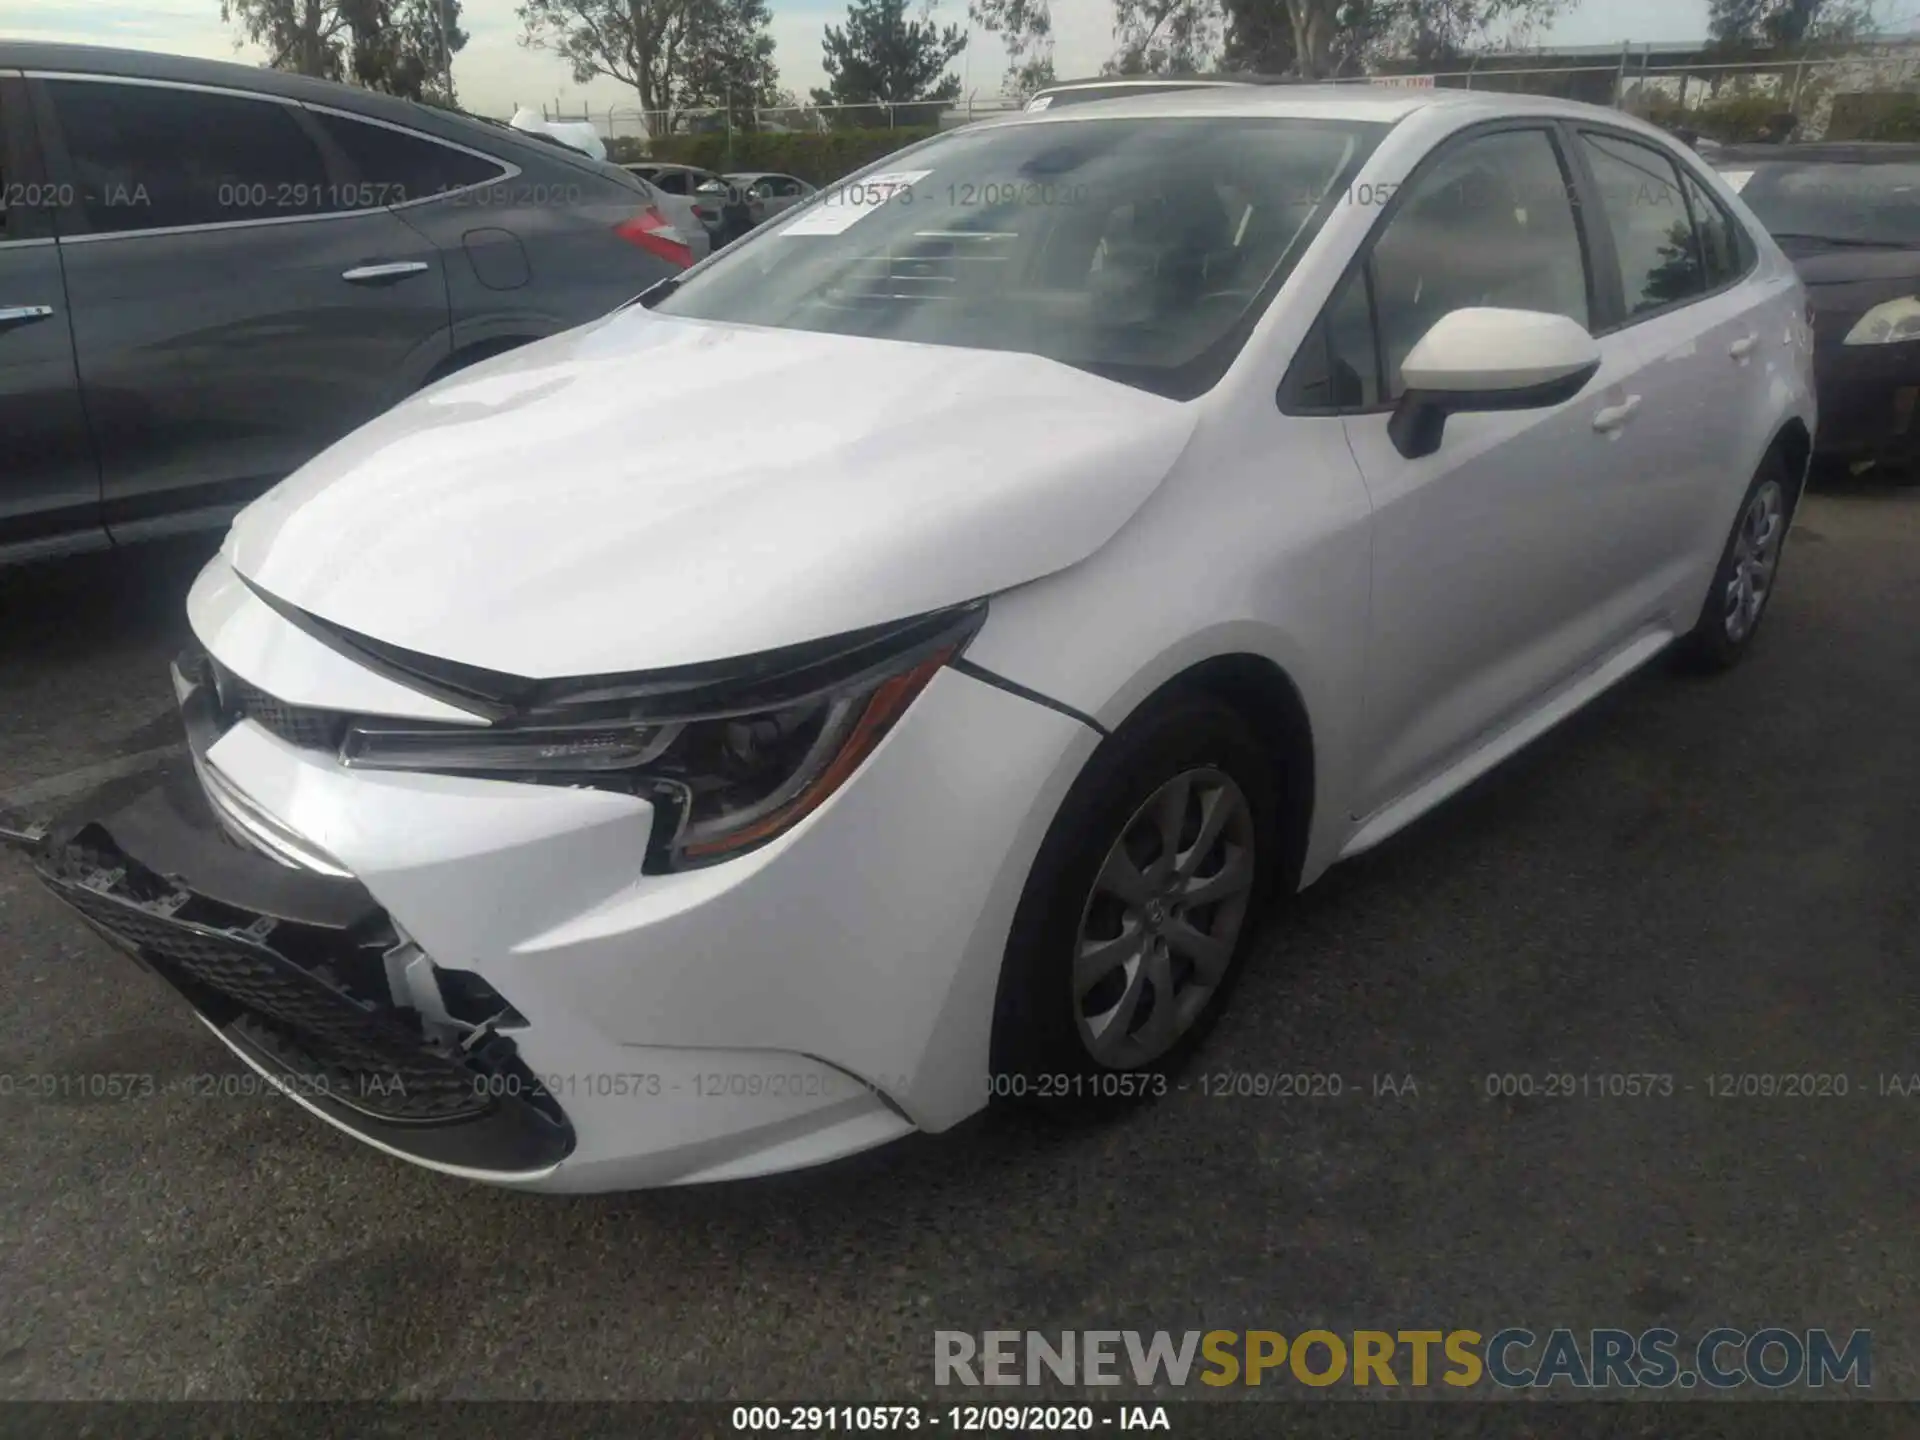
768, 194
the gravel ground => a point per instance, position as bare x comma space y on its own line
1691, 877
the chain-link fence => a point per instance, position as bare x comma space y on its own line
636, 124
1869, 91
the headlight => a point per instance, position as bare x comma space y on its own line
1887, 323
732, 755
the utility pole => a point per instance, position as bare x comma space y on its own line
446, 49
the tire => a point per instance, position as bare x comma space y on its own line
1065, 1052
1751, 557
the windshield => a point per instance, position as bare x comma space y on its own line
1876, 203
1140, 249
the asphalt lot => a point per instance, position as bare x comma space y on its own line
1692, 877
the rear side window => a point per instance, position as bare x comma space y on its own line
147, 157
674, 182
396, 166
1659, 254
1721, 251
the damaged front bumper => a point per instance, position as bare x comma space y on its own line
481, 977
299, 970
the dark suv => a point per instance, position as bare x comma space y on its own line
208, 273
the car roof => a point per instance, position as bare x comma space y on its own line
1349, 101
453, 125
1830, 152
1110, 82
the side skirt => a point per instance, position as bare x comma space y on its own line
1397, 814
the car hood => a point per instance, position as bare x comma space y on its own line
646, 491
1838, 265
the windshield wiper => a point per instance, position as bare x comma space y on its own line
1851, 241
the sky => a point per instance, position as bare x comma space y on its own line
494, 73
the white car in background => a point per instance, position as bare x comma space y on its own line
578, 134
769, 194
609, 815
677, 187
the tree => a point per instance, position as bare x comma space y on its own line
406, 47
398, 46
1336, 37
307, 37
1259, 39
1025, 28
1164, 37
881, 57
1314, 39
729, 62
1026, 74
1783, 24
674, 53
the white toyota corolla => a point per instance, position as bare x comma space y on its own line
1126, 513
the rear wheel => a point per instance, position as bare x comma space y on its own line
1749, 567
472, 355
1140, 909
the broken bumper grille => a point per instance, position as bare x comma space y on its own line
351, 1050
289, 967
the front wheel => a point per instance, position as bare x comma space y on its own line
1141, 907
1749, 567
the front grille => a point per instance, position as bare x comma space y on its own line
299, 725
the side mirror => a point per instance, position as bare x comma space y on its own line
1482, 358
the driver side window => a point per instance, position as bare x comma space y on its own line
1491, 223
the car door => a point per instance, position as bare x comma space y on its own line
1667, 250
238, 301
455, 197
49, 486
1499, 570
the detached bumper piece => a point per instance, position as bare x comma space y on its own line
292, 969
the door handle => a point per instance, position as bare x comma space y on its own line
12, 315
373, 274
1743, 347
1614, 416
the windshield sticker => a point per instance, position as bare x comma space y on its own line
1737, 179
1040, 104
844, 204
